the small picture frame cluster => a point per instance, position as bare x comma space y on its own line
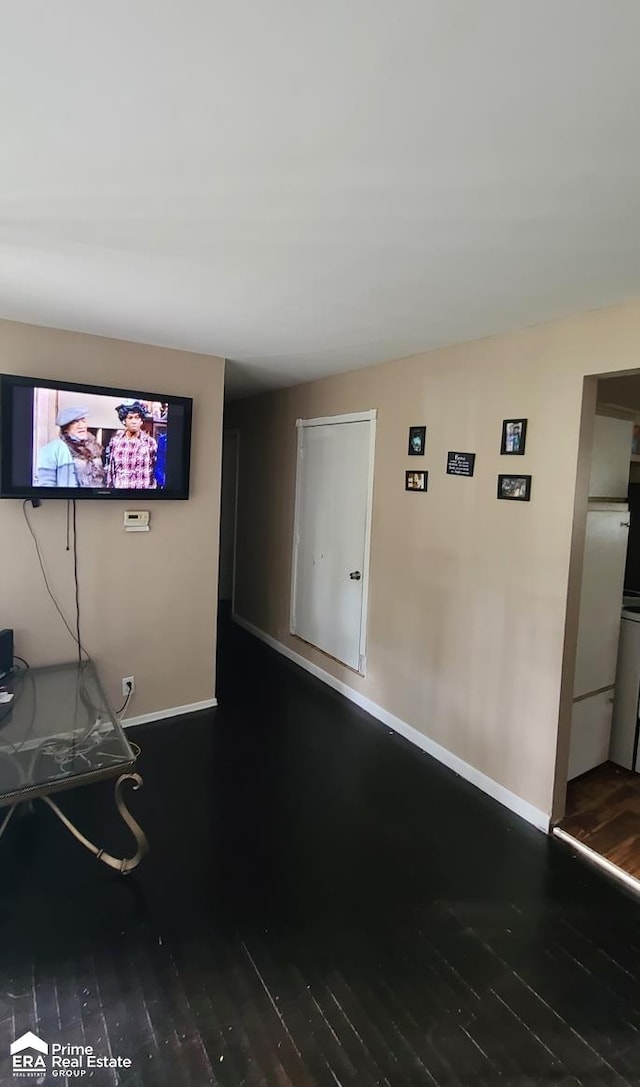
416, 481
514, 437
514, 488
417, 440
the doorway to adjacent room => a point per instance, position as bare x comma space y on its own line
602, 811
228, 513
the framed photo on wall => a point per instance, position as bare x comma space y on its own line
514, 488
416, 481
417, 439
514, 436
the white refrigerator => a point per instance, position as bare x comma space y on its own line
601, 596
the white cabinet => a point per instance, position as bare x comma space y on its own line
605, 552
625, 706
601, 594
590, 732
610, 458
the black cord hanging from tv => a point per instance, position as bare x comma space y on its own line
75, 578
75, 635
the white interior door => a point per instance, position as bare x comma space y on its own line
331, 546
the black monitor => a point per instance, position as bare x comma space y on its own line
64, 440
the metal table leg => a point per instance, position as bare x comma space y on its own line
7, 818
124, 864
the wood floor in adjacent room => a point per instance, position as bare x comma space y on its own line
603, 811
323, 906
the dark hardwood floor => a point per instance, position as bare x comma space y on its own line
603, 811
322, 905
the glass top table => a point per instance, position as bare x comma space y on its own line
58, 731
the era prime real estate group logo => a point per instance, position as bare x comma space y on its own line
31, 1058
28, 1055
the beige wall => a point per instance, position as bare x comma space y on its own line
148, 600
468, 595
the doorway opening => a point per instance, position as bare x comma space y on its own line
600, 813
228, 515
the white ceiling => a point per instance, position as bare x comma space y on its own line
310, 187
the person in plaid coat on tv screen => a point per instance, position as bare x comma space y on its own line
132, 453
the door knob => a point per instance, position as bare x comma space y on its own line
355, 575
625, 524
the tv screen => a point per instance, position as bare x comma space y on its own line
60, 440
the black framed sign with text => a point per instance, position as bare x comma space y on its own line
460, 464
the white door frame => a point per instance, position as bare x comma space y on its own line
329, 420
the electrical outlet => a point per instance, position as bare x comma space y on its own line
128, 685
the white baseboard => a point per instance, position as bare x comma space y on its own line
174, 711
492, 788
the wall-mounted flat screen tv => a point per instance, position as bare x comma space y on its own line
60, 440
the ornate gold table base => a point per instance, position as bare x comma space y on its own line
122, 865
